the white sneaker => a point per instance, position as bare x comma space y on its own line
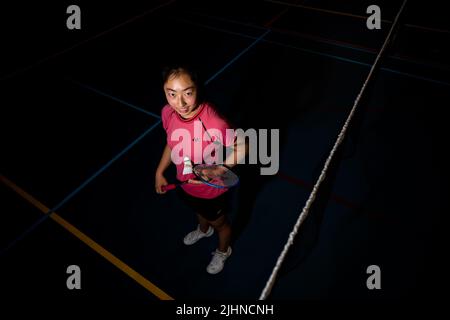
218, 260
193, 236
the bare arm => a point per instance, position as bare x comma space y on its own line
164, 163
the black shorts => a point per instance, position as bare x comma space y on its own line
210, 209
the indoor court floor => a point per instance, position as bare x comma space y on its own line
81, 139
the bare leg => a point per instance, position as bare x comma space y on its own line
204, 224
223, 229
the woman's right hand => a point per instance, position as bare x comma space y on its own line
160, 181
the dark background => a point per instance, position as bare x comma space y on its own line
73, 100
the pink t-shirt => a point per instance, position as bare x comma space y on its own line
188, 137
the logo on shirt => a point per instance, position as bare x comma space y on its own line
262, 148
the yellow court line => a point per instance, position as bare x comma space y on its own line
88, 241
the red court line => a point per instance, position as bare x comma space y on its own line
309, 36
334, 197
346, 14
269, 23
352, 45
274, 19
307, 185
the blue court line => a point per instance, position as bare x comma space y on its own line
80, 187
114, 98
274, 42
322, 54
85, 183
336, 43
406, 74
237, 57
276, 30
227, 65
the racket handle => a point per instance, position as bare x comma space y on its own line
169, 187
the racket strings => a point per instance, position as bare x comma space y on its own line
216, 174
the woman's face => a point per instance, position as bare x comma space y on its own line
181, 94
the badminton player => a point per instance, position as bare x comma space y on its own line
185, 109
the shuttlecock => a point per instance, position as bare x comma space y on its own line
187, 166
